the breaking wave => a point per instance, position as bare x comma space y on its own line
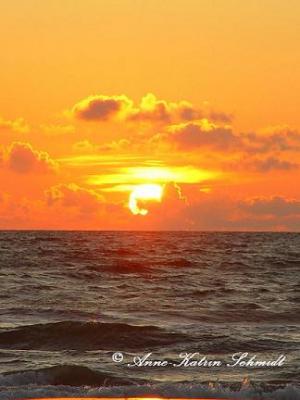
85, 336
249, 392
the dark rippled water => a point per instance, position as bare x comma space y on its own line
69, 300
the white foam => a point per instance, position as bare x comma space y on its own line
167, 390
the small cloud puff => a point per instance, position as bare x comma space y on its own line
53, 129
101, 108
85, 146
152, 109
22, 158
18, 125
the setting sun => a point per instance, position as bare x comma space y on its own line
144, 192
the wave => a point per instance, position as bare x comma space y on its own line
121, 266
71, 335
88, 336
66, 375
167, 390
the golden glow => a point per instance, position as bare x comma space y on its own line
134, 175
184, 174
150, 191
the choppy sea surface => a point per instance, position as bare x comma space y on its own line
70, 300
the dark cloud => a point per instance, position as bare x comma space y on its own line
205, 133
271, 164
22, 158
275, 206
276, 139
151, 109
197, 135
99, 107
219, 116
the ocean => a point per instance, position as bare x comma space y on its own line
80, 311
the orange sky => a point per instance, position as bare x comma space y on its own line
102, 96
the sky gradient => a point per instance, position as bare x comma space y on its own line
198, 99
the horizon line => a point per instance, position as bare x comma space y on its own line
143, 230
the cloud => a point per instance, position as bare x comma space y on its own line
220, 137
22, 158
209, 212
85, 146
165, 215
215, 212
276, 206
150, 110
272, 164
280, 139
69, 206
18, 125
219, 116
162, 123
71, 196
117, 145
53, 129
16, 213
203, 133
101, 108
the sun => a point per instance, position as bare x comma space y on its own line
149, 191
